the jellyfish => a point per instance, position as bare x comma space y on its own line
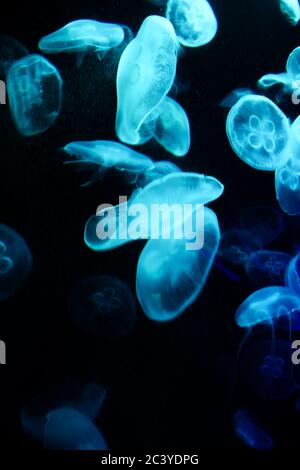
258, 132
68, 429
108, 154
237, 245
170, 277
292, 280
34, 89
86, 399
287, 184
11, 50
194, 21
145, 75
265, 267
290, 10
103, 306
159, 170
234, 96
15, 262
266, 223
250, 433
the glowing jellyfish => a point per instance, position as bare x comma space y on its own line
287, 186
292, 275
194, 21
103, 306
159, 170
15, 262
170, 277
146, 74
86, 399
293, 64
291, 10
250, 433
237, 245
266, 223
234, 96
11, 50
258, 132
34, 89
267, 267
67, 429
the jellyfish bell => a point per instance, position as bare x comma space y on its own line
267, 267
287, 185
237, 245
251, 433
159, 170
290, 10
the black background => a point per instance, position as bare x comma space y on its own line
169, 386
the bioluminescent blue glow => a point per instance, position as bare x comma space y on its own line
159, 170
287, 186
15, 262
292, 275
291, 10
103, 306
267, 268
266, 306
258, 132
146, 74
68, 429
170, 277
194, 21
293, 63
234, 96
34, 89
237, 245
250, 433
11, 50
266, 223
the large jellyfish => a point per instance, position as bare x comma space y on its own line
250, 433
287, 185
34, 89
68, 429
146, 74
265, 267
11, 50
291, 10
266, 223
15, 262
237, 245
258, 132
194, 21
103, 306
170, 277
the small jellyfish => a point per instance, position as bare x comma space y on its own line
290, 10
266, 223
234, 96
194, 21
159, 170
11, 50
170, 277
237, 245
287, 186
258, 132
265, 267
250, 433
15, 262
34, 89
103, 306
145, 75
68, 429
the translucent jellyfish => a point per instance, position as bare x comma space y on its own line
234, 96
292, 274
266, 368
145, 75
67, 429
87, 399
258, 132
11, 50
103, 306
266, 223
250, 433
287, 186
34, 89
15, 262
266, 267
194, 21
237, 245
170, 277
293, 63
159, 170
107, 154
291, 10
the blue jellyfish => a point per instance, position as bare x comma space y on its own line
159, 170
34, 89
234, 96
292, 280
194, 21
68, 429
293, 63
258, 132
145, 75
250, 433
103, 306
237, 245
266, 223
265, 267
15, 262
291, 10
11, 50
170, 277
86, 399
287, 186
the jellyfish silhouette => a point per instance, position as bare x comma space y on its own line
34, 89
237, 245
266, 267
15, 262
11, 50
266, 223
258, 132
250, 433
194, 21
290, 10
103, 306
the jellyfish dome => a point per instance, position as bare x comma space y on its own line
194, 21
34, 89
266, 267
15, 262
68, 429
290, 10
250, 433
267, 305
292, 275
287, 186
11, 50
159, 170
293, 63
237, 245
145, 75
258, 132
